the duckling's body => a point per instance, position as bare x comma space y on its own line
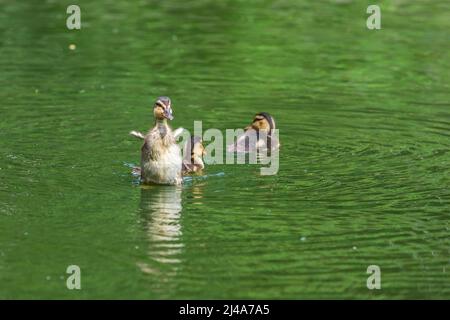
257, 136
161, 159
193, 156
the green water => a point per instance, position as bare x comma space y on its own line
364, 119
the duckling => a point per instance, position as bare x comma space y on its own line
161, 159
262, 123
193, 155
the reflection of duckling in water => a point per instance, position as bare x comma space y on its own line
160, 154
193, 156
160, 210
261, 132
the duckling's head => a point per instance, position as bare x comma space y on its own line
162, 109
197, 149
262, 122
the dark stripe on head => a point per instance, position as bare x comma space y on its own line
269, 119
194, 140
163, 99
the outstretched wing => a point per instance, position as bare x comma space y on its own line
137, 134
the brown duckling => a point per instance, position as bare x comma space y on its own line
193, 155
161, 159
261, 130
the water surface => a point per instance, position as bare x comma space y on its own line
364, 172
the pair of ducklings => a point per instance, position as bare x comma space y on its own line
161, 160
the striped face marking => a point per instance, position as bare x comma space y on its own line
263, 121
163, 109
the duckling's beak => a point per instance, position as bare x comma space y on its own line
168, 113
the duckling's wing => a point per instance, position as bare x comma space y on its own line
274, 142
186, 166
137, 134
178, 132
245, 142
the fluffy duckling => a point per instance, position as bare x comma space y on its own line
161, 159
193, 155
262, 123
